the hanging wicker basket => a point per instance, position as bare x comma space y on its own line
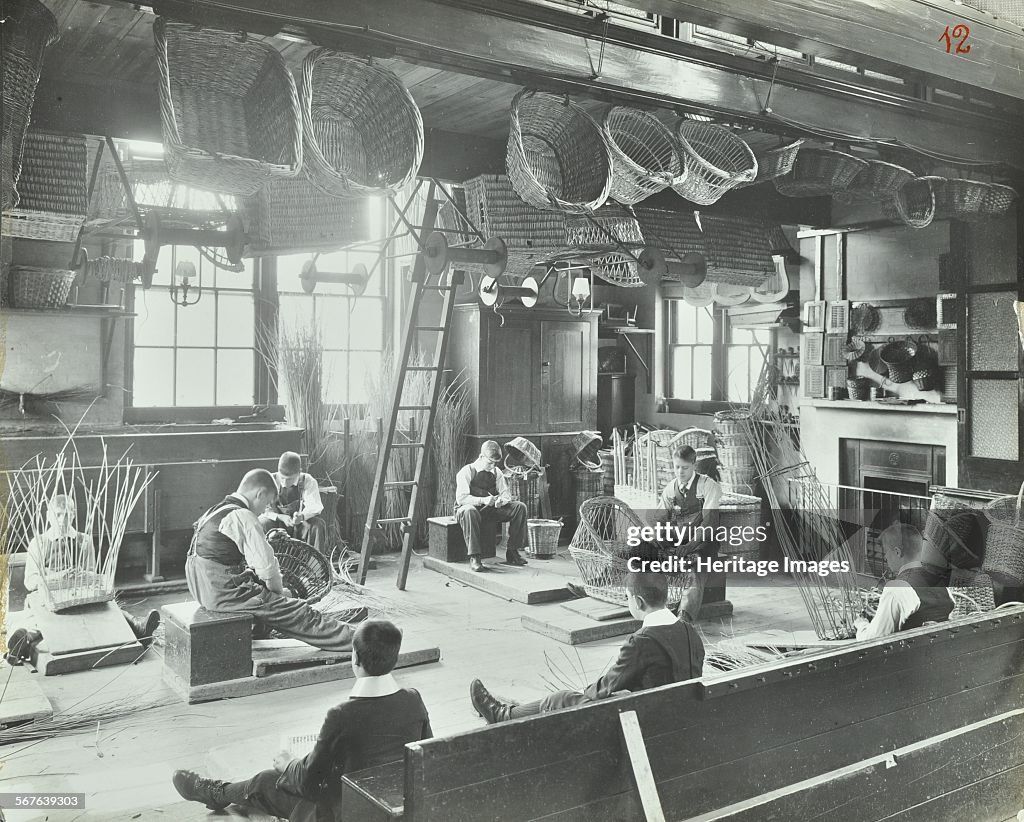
774, 162
997, 200
53, 190
229, 109
877, 180
595, 234
32, 287
957, 198
645, 155
28, 28
716, 161
557, 157
819, 172
898, 356
362, 131
1004, 545
913, 204
957, 531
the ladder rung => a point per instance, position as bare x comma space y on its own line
401, 484
423, 368
408, 444
415, 407
438, 287
430, 327
390, 520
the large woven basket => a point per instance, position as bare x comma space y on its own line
28, 28
1004, 545
674, 233
913, 204
972, 592
291, 216
595, 234
819, 172
523, 454
997, 200
229, 109
716, 161
956, 531
735, 457
737, 249
362, 131
587, 483
304, 570
52, 189
542, 537
732, 422
957, 198
557, 157
32, 287
737, 512
877, 180
524, 487
645, 155
773, 162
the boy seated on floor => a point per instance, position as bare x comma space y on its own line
371, 728
663, 650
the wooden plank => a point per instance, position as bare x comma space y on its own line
249, 686
642, 773
596, 609
21, 697
52, 665
100, 626
532, 584
576, 630
383, 787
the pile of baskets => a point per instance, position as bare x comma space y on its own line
587, 468
735, 455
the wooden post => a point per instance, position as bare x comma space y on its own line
346, 509
153, 571
642, 773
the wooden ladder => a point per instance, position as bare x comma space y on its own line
423, 282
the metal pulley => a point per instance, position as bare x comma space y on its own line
356, 279
691, 270
493, 293
155, 236
493, 257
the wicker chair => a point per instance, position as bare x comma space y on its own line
304, 570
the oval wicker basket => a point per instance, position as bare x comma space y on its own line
1004, 544
956, 197
557, 158
774, 162
997, 200
229, 109
304, 570
362, 131
913, 204
819, 172
32, 287
877, 180
716, 161
645, 155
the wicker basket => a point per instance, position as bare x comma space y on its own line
732, 422
585, 447
1004, 545
673, 233
362, 132
304, 570
925, 378
819, 172
524, 487
523, 454
736, 512
587, 484
291, 216
76, 590
716, 161
737, 476
957, 198
609, 225
877, 180
543, 537
557, 157
972, 592
696, 438
604, 576
32, 287
53, 191
29, 27
997, 200
898, 356
229, 109
645, 155
774, 162
735, 457
859, 388
956, 531
737, 249
913, 204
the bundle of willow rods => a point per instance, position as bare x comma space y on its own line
813, 533
452, 419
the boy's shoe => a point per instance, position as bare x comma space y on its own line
491, 709
196, 788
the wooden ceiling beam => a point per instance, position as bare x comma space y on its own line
525, 43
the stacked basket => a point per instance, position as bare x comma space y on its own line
523, 473
735, 456
587, 469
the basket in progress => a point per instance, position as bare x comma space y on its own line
32, 287
29, 27
229, 109
362, 131
543, 537
736, 512
557, 158
304, 570
819, 172
645, 155
716, 161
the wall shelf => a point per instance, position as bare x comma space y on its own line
647, 357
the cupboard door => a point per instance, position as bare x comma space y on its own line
508, 382
568, 367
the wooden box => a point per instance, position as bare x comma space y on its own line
446, 542
201, 647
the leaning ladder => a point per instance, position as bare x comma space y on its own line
423, 282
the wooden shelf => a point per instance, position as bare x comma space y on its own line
74, 311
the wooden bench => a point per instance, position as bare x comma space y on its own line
446, 541
773, 742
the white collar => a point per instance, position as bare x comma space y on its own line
371, 686
663, 616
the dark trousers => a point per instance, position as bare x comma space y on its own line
312, 531
472, 519
262, 794
553, 702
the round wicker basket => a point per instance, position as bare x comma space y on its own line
646, 157
774, 162
362, 131
557, 158
716, 161
913, 204
819, 172
32, 287
1004, 545
543, 537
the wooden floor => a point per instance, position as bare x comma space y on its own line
124, 766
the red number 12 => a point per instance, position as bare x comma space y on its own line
961, 31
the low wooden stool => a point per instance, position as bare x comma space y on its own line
201, 647
446, 542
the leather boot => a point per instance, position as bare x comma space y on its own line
196, 788
474, 563
513, 557
491, 709
144, 629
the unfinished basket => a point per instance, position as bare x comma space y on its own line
229, 109
557, 157
716, 161
773, 162
594, 235
819, 172
304, 570
29, 27
32, 287
604, 576
877, 180
362, 131
542, 537
645, 155
913, 204
77, 589
1004, 545
738, 512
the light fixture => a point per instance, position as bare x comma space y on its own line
581, 292
182, 285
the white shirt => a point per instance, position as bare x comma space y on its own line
708, 491
311, 504
898, 601
243, 528
465, 475
370, 686
663, 616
